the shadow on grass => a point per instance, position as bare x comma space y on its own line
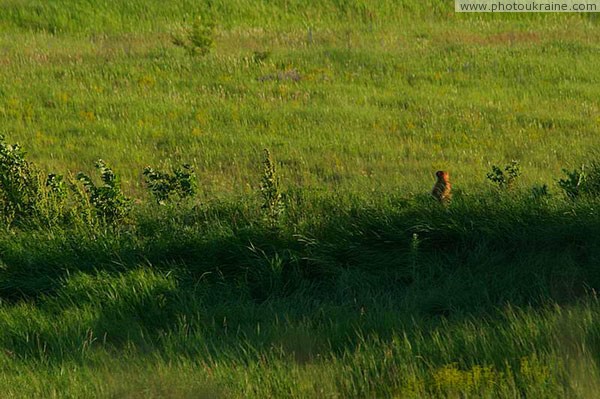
365, 269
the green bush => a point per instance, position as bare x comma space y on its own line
581, 182
180, 184
109, 203
19, 184
505, 179
573, 182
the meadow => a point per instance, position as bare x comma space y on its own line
328, 270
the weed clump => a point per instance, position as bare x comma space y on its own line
19, 184
163, 186
109, 203
27, 197
581, 182
197, 39
505, 178
272, 206
571, 184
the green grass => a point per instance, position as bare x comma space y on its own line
363, 286
376, 106
492, 297
472, 357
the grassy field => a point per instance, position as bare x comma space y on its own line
347, 97
345, 280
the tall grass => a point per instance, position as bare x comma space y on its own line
492, 296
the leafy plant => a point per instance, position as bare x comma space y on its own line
164, 186
108, 201
19, 184
592, 179
273, 206
505, 178
582, 181
197, 39
573, 182
53, 206
56, 185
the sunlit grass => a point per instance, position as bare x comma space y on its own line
354, 108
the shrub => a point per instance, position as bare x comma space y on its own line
573, 182
592, 179
581, 181
164, 186
505, 179
19, 184
109, 203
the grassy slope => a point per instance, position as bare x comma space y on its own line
380, 102
357, 295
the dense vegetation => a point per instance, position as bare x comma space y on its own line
150, 247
